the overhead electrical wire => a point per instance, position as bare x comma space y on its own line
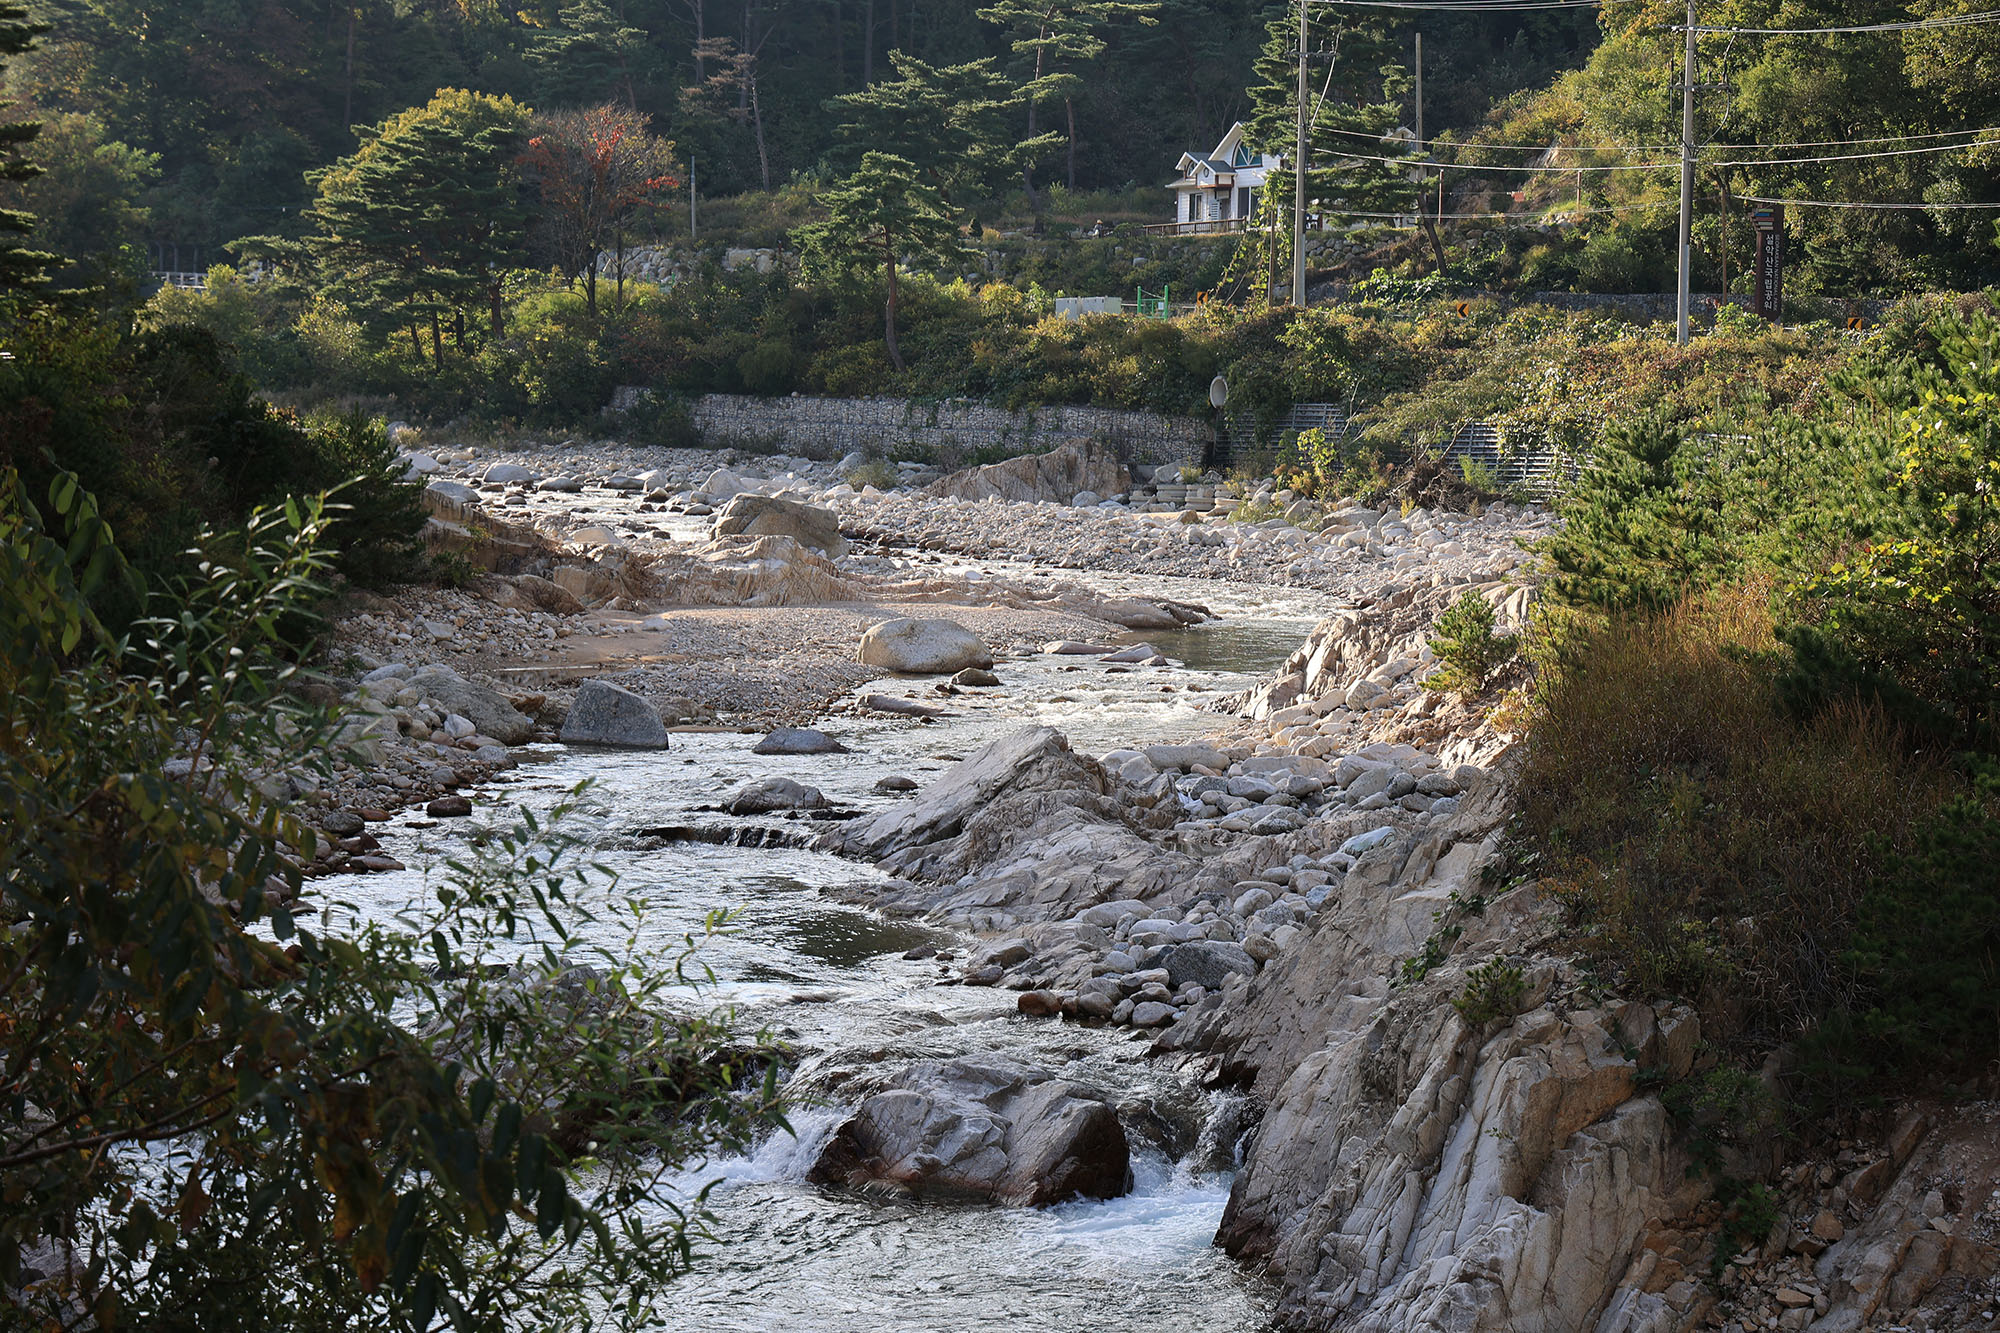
1948, 21
1855, 203
1413, 160
1509, 6
1851, 157
1660, 147
1477, 6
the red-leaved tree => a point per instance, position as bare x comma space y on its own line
597, 169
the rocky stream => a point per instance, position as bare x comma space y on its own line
1117, 923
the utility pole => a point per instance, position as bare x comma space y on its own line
1422, 146
1687, 185
1299, 177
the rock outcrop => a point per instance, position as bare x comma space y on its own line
923, 647
1037, 759
1420, 1167
605, 714
765, 516
990, 1129
487, 708
753, 570
1057, 476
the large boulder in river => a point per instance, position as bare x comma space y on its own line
486, 708
604, 714
765, 516
1035, 759
1206, 963
989, 1130
798, 740
1056, 476
923, 647
768, 794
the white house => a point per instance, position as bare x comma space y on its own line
1219, 189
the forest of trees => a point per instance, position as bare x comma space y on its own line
219, 108
198, 124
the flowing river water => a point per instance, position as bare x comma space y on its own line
833, 980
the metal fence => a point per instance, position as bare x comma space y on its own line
1541, 472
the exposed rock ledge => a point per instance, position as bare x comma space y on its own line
1414, 1172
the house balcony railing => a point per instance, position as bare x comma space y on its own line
1199, 227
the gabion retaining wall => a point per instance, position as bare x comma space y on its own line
950, 431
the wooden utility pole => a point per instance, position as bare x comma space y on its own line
1687, 185
1299, 177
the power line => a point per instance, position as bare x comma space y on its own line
1845, 203
1477, 6
1889, 138
1414, 161
1492, 217
1660, 147
1854, 157
1411, 160
1537, 147
1949, 21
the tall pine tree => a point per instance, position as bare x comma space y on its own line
588, 58
1060, 35
954, 124
1355, 85
880, 216
21, 267
420, 225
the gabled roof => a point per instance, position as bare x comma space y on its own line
1227, 156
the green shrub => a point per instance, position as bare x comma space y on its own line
1611, 263
1468, 648
1492, 991
876, 472
769, 368
1926, 946
1482, 477
252, 1118
662, 418
1709, 844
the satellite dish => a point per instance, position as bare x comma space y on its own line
1218, 391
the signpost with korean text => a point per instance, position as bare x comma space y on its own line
1769, 288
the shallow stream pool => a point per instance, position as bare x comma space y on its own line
792, 1256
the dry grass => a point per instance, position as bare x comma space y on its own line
1706, 845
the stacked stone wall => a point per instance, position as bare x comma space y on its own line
952, 432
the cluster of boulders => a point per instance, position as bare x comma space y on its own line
1327, 547
410, 735
1894, 1229
1277, 793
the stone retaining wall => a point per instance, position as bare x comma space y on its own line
950, 431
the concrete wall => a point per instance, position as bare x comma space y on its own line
832, 427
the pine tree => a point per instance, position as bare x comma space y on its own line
1061, 34
586, 57
952, 122
880, 216
421, 224
1354, 90
21, 268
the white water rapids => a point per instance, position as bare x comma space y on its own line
792, 1256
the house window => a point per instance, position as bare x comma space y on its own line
1242, 201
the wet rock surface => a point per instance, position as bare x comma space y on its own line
989, 1130
606, 714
